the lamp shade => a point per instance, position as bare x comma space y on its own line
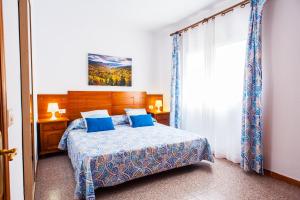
158, 103
52, 107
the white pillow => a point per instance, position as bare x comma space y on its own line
133, 111
95, 114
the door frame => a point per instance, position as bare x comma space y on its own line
33, 139
3, 105
25, 56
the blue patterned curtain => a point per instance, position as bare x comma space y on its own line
175, 115
252, 152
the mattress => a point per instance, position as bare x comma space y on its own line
108, 158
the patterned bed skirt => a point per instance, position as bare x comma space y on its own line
114, 169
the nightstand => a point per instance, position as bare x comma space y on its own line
161, 117
50, 133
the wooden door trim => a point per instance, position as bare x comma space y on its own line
3, 104
32, 97
25, 91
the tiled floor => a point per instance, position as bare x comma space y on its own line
218, 181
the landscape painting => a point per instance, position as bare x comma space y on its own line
109, 70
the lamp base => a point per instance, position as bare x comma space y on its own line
53, 117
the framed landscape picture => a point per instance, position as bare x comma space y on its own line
109, 70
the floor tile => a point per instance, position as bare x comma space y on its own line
221, 180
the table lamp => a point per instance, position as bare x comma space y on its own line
53, 108
158, 104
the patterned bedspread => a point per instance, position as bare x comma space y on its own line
112, 157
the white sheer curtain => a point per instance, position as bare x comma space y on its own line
213, 57
197, 80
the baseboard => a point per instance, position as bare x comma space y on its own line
282, 177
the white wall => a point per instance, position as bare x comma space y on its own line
64, 34
163, 61
12, 60
62, 40
281, 69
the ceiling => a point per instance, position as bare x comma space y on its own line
152, 14
141, 14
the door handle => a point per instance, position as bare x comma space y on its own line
11, 153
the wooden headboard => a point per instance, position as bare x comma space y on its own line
122, 100
79, 101
86, 101
114, 102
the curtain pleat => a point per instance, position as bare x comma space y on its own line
251, 141
175, 112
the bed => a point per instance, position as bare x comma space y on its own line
113, 157
108, 158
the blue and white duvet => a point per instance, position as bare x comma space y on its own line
112, 157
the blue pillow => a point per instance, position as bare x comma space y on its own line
141, 120
99, 124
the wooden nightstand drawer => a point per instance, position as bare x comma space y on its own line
53, 126
50, 133
162, 117
164, 121
50, 140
